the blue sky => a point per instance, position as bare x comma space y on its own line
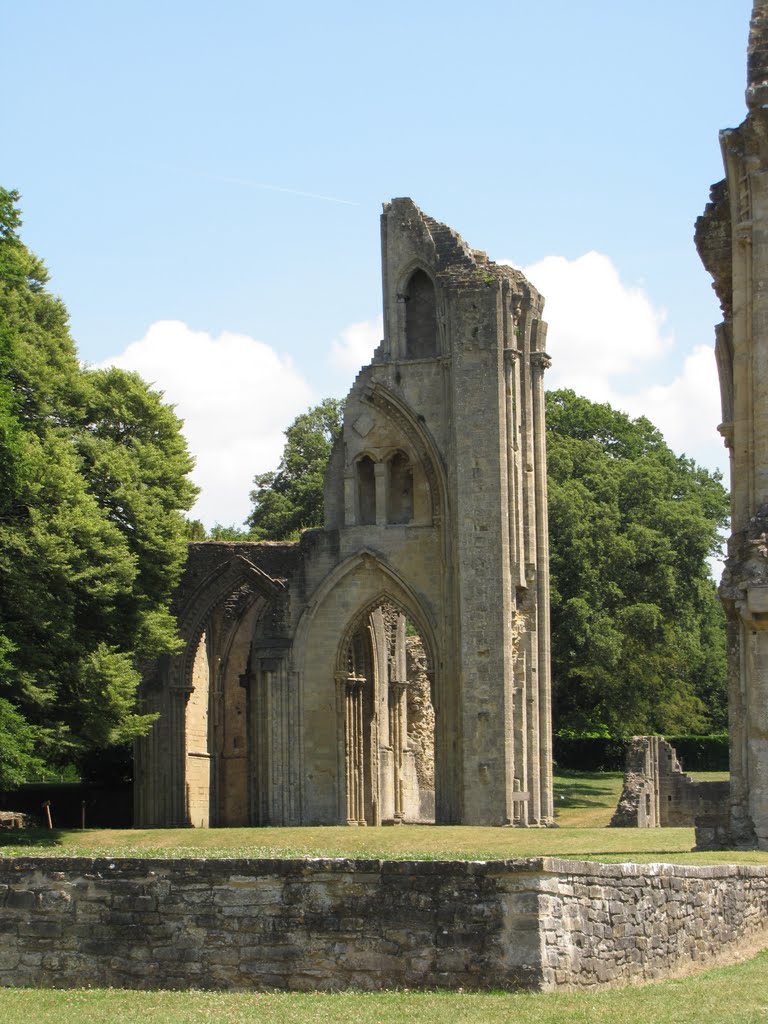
205, 182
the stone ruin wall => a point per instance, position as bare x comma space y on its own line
435, 504
421, 712
540, 924
658, 794
732, 241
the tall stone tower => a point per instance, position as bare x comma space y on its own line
732, 239
394, 664
463, 360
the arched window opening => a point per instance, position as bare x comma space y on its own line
197, 732
366, 491
420, 715
420, 317
226, 713
400, 491
389, 721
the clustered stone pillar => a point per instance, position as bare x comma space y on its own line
354, 743
732, 239
540, 362
398, 739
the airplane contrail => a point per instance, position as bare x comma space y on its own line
290, 191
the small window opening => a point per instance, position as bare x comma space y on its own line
400, 494
366, 491
420, 317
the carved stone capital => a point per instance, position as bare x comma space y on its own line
726, 432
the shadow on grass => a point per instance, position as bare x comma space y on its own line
585, 790
18, 838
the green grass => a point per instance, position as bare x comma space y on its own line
585, 802
730, 995
586, 799
403, 843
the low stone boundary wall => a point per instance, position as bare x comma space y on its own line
367, 924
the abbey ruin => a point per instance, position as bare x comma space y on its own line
732, 239
393, 665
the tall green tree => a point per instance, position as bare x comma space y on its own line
92, 534
638, 634
290, 500
638, 643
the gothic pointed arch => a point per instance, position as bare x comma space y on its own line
386, 717
365, 479
418, 294
217, 623
233, 587
419, 439
388, 583
399, 488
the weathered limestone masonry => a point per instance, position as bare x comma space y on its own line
732, 239
338, 924
658, 794
294, 700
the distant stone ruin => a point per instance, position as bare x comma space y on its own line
657, 793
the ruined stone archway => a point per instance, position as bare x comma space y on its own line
196, 766
435, 500
386, 718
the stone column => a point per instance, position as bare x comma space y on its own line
350, 692
398, 735
514, 468
350, 514
381, 481
259, 743
540, 362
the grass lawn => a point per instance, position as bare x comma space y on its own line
585, 802
730, 995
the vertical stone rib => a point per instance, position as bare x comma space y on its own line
540, 362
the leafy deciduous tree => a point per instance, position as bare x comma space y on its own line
638, 634
638, 643
291, 499
92, 538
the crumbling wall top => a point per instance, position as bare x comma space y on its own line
713, 241
455, 262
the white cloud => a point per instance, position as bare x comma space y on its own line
687, 409
355, 344
599, 328
235, 394
608, 343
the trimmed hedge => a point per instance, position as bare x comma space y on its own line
589, 753
608, 754
702, 753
